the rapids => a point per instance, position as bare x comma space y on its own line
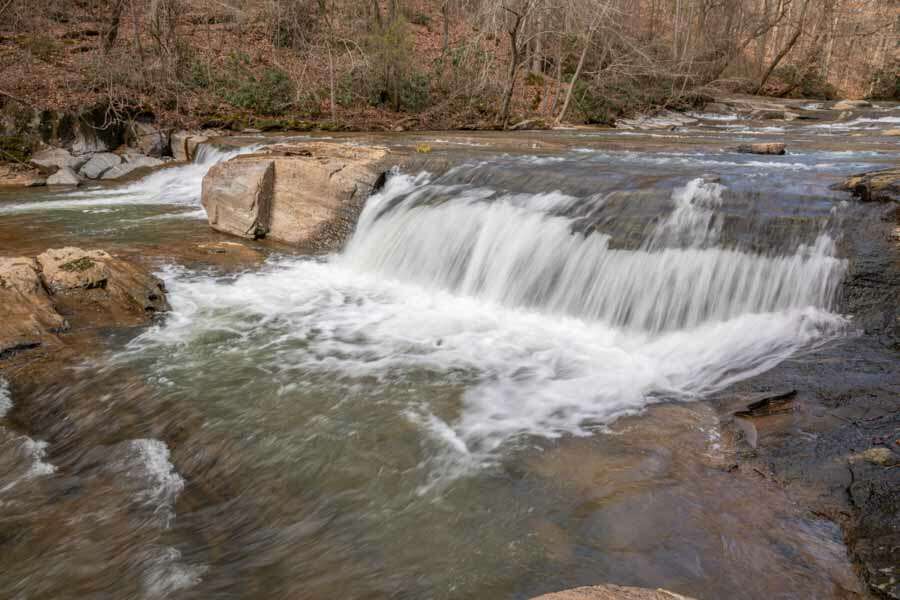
500, 387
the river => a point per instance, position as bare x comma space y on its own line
504, 385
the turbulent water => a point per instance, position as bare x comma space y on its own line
495, 389
173, 186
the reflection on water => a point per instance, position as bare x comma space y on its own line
495, 391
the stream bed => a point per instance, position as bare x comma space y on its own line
508, 383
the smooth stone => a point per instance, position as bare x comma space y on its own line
99, 164
65, 176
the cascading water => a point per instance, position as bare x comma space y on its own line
508, 250
177, 185
551, 330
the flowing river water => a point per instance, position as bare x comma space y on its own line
499, 388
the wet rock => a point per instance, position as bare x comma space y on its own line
92, 287
311, 200
237, 196
131, 163
769, 405
769, 115
665, 119
875, 535
612, 592
58, 158
64, 176
762, 148
14, 175
851, 104
99, 164
878, 456
184, 144
874, 186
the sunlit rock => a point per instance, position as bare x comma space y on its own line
612, 592
306, 195
762, 148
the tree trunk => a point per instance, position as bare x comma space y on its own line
575, 75
515, 54
537, 59
513, 71
331, 82
112, 32
445, 35
784, 51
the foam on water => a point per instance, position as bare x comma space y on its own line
160, 484
177, 185
556, 331
5, 398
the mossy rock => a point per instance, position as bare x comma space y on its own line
78, 266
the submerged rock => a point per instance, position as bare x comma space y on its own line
612, 592
762, 148
92, 287
873, 186
306, 195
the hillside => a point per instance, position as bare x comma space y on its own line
430, 64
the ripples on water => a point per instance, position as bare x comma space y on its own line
423, 414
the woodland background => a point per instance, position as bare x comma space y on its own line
373, 64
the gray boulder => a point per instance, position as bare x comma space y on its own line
99, 164
58, 158
149, 139
65, 176
132, 162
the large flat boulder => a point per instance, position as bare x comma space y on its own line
317, 191
90, 286
874, 186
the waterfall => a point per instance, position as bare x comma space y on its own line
519, 251
178, 185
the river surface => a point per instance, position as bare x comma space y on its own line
499, 388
